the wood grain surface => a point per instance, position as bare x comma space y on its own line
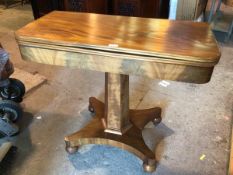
118, 63
159, 49
182, 40
117, 103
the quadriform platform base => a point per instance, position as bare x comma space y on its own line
106, 126
121, 46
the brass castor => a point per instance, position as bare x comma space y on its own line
156, 121
71, 149
149, 165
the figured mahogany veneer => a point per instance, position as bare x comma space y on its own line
121, 46
175, 50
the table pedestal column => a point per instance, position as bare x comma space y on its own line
115, 124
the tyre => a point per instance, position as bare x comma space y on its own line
11, 109
14, 91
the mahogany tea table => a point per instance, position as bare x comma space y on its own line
121, 46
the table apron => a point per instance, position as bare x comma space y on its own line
125, 65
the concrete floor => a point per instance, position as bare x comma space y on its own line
196, 118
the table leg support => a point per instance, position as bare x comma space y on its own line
97, 131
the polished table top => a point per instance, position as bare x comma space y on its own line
131, 40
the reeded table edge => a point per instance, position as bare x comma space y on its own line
151, 56
124, 51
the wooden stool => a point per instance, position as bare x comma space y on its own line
121, 46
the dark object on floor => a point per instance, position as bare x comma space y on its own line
9, 113
14, 90
7, 153
11, 91
10, 88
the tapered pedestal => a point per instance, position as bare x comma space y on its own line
109, 129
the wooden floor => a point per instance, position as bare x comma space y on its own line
31, 81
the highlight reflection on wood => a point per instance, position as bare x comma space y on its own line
183, 40
163, 49
121, 46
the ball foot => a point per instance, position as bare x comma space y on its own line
149, 166
156, 121
71, 149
